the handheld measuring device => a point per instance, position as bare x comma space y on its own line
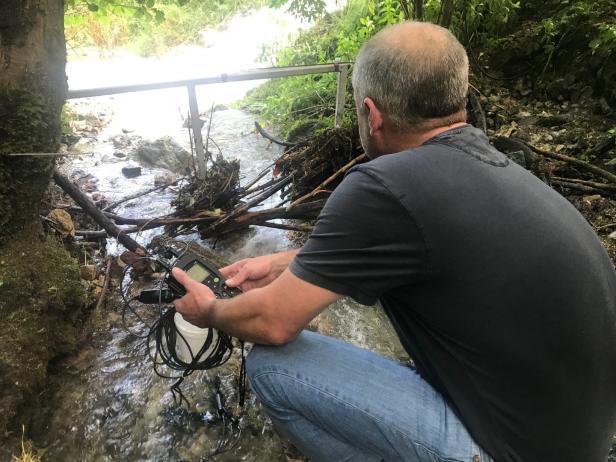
199, 269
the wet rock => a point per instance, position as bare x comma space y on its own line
137, 262
131, 171
163, 153
84, 180
124, 141
64, 222
87, 272
90, 185
516, 150
165, 179
119, 155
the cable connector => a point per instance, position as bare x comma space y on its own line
155, 296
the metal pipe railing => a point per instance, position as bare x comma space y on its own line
255, 74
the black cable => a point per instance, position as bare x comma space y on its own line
161, 342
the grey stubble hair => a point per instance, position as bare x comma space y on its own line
412, 84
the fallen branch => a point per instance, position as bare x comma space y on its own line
608, 226
140, 194
263, 173
97, 215
148, 223
580, 163
93, 234
319, 189
581, 187
261, 187
101, 299
251, 203
307, 210
267, 136
298, 227
594, 184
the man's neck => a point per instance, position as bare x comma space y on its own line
401, 141
413, 140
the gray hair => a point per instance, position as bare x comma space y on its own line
412, 82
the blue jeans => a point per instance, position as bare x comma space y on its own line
338, 402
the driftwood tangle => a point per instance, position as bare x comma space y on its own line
303, 177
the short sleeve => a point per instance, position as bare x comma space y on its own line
364, 242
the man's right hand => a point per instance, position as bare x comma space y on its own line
251, 273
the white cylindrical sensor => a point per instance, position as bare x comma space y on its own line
193, 337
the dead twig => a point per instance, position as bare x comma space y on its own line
101, 299
251, 203
301, 211
298, 227
263, 173
336, 174
608, 226
580, 163
593, 184
267, 136
97, 215
140, 194
581, 187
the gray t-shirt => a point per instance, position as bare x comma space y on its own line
498, 288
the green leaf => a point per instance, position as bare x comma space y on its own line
159, 16
93, 7
150, 3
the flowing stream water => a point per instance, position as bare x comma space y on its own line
107, 403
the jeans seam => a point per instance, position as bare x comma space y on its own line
436, 454
394, 427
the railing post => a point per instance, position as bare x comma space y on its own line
341, 93
196, 124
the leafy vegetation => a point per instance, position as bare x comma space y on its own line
564, 48
309, 99
557, 48
146, 26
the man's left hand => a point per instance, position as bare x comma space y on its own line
197, 304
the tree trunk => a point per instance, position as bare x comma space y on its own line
447, 7
32, 91
40, 289
418, 7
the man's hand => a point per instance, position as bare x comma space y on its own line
251, 273
196, 305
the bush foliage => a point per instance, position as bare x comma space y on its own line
559, 48
148, 27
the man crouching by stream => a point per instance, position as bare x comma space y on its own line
497, 287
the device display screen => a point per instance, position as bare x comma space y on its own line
197, 272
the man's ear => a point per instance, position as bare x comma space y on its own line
375, 116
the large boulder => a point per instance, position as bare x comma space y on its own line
163, 153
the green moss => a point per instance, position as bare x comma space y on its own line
41, 299
30, 123
39, 271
